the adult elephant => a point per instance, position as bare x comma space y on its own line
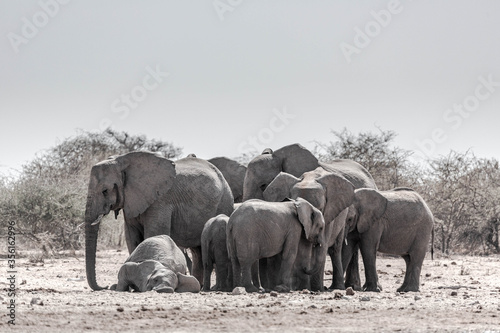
157, 197
234, 172
295, 160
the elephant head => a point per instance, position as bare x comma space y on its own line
129, 182
369, 205
151, 275
312, 222
293, 159
329, 192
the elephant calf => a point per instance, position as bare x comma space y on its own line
214, 250
156, 264
260, 229
395, 222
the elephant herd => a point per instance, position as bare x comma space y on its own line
267, 226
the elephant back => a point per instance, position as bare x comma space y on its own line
211, 186
352, 171
162, 249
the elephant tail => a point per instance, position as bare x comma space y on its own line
233, 257
432, 243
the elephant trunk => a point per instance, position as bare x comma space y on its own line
91, 233
318, 259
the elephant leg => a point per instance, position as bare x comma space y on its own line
189, 263
208, 266
369, 254
273, 271
222, 273
246, 276
263, 274
230, 277
235, 263
197, 263
133, 235
288, 257
413, 268
317, 279
255, 274
350, 261
335, 253
122, 286
300, 279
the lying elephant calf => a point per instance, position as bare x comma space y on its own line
156, 264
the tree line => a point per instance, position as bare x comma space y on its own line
47, 200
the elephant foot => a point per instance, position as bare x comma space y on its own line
113, 287
405, 289
339, 286
282, 288
356, 287
371, 287
251, 289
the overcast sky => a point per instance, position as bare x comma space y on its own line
225, 77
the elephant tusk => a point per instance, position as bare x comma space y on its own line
98, 220
346, 241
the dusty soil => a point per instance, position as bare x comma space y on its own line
458, 294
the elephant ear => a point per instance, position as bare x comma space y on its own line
137, 275
371, 205
279, 189
267, 151
339, 195
306, 215
296, 159
187, 284
146, 177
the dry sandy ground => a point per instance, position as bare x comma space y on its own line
458, 294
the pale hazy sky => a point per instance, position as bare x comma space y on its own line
220, 77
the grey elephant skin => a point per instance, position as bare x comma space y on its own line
157, 264
396, 222
260, 229
158, 197
332, 194
214, 251
294, 159
234, 173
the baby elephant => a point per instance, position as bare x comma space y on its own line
260, 229
156, 264
214, 250
395, 222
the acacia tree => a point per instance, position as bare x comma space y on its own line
389, 165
